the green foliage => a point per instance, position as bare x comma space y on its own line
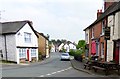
57, 41
78, 53
81, 45
75, 52
72, 52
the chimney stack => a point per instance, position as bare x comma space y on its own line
99, 12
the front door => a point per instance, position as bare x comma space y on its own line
28, 54
117, 54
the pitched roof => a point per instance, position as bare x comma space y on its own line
42, 35
14, 27
111, 10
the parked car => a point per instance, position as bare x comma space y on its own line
65, 56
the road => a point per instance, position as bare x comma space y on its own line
51, 67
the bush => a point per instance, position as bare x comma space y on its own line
72, 52
78, 55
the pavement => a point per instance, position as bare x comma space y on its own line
80, 66
14, 65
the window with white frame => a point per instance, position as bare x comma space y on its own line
103, 26
22, 53
27, 37
102, 50
33, 52
92, 32
86, 37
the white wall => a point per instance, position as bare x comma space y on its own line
72, 46
21, 42
66, 47
61, 46
47, 49
11, 47
2, 45
20, 38
52, 48
116, 35
110, 50
114, 24
119, 24
110, 42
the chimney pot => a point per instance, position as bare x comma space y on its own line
98, 11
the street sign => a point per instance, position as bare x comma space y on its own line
107, 33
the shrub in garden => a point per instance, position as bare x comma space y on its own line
78, 55
72, 52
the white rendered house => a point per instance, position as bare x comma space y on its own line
19, 41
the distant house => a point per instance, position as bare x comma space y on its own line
67, 46
61, 46
52, 48
72, 46
43, 46
19, 41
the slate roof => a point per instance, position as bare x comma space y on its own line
111, 10
14, 27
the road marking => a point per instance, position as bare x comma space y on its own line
62, 70
58, 71
55, 72
48, 74
41, 76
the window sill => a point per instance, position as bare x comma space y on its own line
92, 38
102, 35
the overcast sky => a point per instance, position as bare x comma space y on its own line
61, 19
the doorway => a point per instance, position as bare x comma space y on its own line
28, 55
116, 52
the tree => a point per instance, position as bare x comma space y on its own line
81, 44
58, 42
53, 41
63, 40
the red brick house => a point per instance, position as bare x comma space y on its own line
97, 44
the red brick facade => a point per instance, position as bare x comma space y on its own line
98, 38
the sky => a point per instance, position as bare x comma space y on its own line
61, 19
